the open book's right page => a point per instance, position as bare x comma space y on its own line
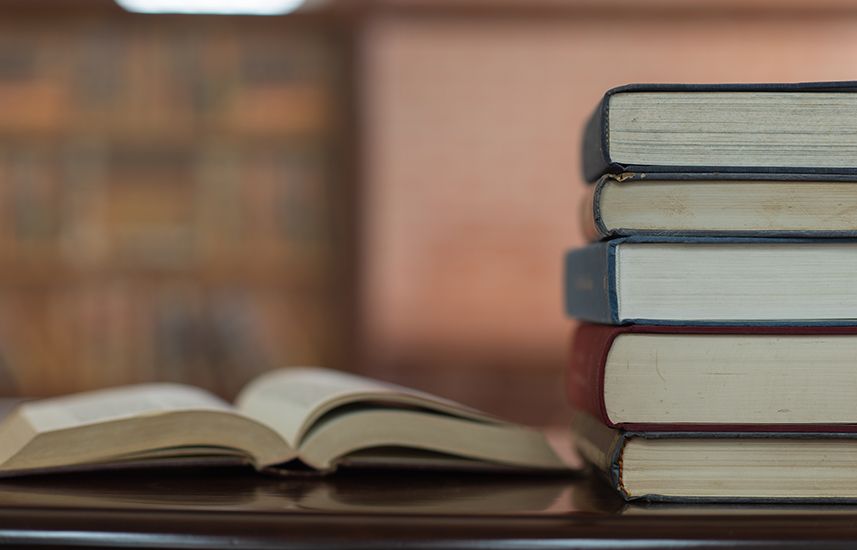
291, 400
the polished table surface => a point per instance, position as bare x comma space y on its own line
236, 508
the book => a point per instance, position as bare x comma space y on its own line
702, 280
721, 466
295, 419
719, 204
804, 128
692, 378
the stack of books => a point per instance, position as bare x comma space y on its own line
717, 359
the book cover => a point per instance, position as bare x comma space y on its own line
596, 155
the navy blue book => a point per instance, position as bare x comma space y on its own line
713, 280
804, 128
718, 204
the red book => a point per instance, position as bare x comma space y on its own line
706, 378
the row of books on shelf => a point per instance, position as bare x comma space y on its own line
107, 334
164, 207
95, 75
717, 352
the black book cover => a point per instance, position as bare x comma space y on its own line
603, 448
596, 155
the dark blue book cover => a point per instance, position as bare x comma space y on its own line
592, 293
596, 150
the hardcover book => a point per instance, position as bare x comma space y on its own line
299, 419
721, 466
692, 378
805, 128
754, 205
702, 280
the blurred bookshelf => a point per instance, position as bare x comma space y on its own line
171, 199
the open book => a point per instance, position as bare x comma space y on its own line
288, 419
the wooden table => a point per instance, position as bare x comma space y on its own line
233, 508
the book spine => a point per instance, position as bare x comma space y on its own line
585, 373
590, 292
595, 152
589, 213
601, 447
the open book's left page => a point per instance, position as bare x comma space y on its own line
132, 423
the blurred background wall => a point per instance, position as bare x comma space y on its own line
385, 187
472, 115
